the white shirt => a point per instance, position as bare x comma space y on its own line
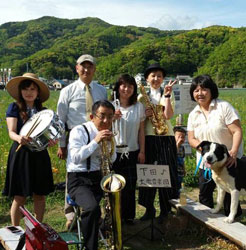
132, 117
214, 127
155, 95
71, 106
79, 150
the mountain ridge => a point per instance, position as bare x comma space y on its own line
51, 45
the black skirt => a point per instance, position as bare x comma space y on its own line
28, 173
160, 150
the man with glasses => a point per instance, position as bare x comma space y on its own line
74, 106
83, 167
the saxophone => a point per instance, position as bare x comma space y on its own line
111, 184
159, 123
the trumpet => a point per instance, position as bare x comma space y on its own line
119, 126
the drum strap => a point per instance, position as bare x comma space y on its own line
88, 161
21, 242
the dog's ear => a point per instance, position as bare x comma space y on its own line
202, 144
226, 150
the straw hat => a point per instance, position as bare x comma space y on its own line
13, 84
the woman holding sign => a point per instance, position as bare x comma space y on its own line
160, 145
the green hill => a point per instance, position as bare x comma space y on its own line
49, 46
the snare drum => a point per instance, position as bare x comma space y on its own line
46, 126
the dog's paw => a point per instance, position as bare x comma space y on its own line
214, 211
228, 220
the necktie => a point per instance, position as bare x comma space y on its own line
89, 101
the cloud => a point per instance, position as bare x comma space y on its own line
167, 22
189, 14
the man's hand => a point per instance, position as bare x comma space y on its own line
62, 153
103, 134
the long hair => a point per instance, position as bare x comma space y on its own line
126, 78
21, 102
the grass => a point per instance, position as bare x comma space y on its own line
191, 237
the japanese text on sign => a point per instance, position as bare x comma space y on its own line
153, 175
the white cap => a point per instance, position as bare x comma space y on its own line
86, 58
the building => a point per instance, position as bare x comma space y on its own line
181, 79
59, 84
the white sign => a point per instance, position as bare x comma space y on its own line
183, 102
153, 175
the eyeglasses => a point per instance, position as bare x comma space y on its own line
103, 116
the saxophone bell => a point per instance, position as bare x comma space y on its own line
113, 183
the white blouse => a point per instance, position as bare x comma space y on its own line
132, 117
214, 127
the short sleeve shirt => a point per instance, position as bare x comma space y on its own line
214, 127
131, 117
13, 111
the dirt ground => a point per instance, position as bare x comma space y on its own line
178, 232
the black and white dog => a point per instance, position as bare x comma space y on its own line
231, 180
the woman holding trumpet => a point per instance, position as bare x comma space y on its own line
129, 142
28, 173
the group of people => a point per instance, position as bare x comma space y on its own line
84, 108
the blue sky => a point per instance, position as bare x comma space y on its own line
162, 14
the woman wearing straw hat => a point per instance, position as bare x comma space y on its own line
28, 173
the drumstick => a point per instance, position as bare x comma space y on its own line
33, 127
29, 133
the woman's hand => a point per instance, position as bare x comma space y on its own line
53, 142
23, 140
117, 114
232, 159
148, 112
141, 157
230, 162
169, 87
236, 131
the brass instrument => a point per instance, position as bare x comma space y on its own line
111, 184
159, 123
119, 127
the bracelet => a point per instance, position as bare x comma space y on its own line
167, 96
